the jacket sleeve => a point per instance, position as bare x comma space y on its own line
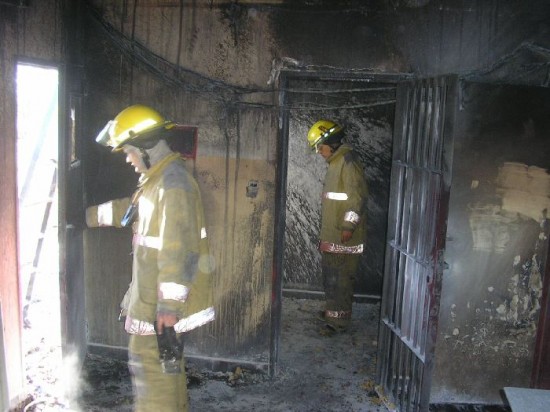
179, 252
107, 214
355, 186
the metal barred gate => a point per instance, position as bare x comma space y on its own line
419, 198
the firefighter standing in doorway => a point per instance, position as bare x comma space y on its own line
171, 291
343, 221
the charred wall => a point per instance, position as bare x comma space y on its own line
464, 36
429, 37
236, 131
497, 242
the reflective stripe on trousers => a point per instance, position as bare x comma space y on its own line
329, 247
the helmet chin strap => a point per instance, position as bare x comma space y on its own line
145, 157
155, 154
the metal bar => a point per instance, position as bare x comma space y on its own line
419, 126
321, 73
411, 122
404, 262
414, 304
408, 381
391, 292
406, 207
400, 375
427, 129
397, 209
422, 316
416, 258
404, 323
414, 222
397, 370
402, 133
319, 295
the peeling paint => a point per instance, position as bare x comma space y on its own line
490, 228
491, 224
525, 289
512, 310
517, 182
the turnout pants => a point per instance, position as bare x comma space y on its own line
153, 389
339, 272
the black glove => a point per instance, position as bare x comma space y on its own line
170, 350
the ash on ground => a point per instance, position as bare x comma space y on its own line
316, 371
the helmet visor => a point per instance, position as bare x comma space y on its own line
104, 137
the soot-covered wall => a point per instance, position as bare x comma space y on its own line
497, 240
234, 148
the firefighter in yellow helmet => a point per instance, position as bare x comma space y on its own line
343, 220
171, 291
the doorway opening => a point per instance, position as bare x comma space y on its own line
365, 105
366, 109
37, 177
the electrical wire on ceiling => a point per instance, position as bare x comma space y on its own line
167, 72
527, 64
184, 79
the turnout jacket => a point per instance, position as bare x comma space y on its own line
344, 202
171, 270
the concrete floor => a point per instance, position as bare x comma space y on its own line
317, 372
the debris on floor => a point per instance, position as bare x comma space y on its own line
316, 372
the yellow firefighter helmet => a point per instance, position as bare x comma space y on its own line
321, 131
136, 125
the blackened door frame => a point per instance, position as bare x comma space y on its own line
285, 78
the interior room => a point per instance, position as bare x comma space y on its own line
446, 104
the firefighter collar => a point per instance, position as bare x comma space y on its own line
342, 150
157, 168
